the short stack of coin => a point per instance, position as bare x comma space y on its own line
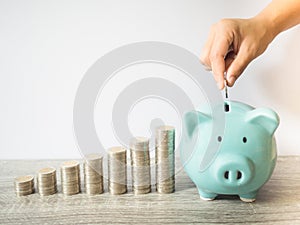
165, 159
93, 174
70, 177
117, 170
24, 185
46, 181
140, 165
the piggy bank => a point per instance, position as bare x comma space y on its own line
246, 156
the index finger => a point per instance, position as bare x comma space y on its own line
218, 53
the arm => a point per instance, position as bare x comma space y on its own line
233, 43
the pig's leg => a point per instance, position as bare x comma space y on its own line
249, 197
207, 196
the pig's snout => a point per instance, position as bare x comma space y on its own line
233, 170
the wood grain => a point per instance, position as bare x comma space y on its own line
278, 202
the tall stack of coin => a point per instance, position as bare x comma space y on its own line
24, 185
93, 174
117, 170
165, 159
70, 177
140, 165
46, 181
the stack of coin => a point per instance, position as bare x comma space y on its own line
140, 165
165, 159
70, 177
46, 181
24, 185
117, 170
93, 174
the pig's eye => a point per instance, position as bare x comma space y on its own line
219, 138
244, 139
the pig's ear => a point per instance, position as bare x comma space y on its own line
264, 117
192, 119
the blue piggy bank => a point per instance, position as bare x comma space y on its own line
246, 157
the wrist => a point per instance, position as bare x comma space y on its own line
267, 26
279, 16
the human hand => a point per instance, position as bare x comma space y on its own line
232, 44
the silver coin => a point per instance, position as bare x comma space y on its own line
165, 159
70, 177
46, 181
24, 185
117, 170
140, 165
93, 174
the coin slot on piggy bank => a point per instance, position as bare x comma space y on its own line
226, 107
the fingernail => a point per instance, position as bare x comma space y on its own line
231, 80
207, 68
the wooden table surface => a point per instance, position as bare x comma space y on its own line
278, 202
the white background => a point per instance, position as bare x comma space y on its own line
47, 46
